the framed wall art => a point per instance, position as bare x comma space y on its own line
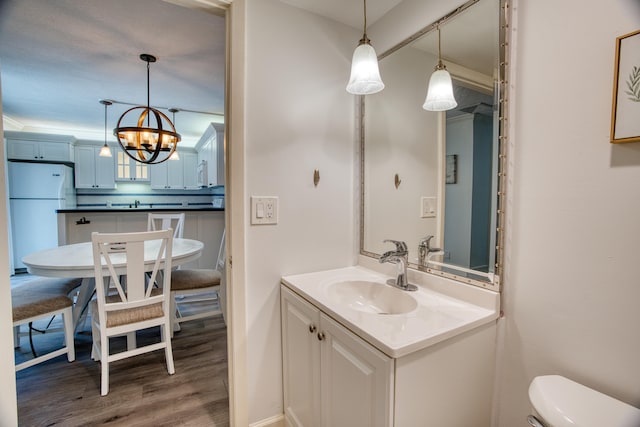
451, 169
625, 114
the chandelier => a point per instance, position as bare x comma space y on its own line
145, 134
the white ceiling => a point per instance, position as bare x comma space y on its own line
58, 58
348, 12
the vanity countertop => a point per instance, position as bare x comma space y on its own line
439, 314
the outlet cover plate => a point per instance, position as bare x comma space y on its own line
264, 210
428, 207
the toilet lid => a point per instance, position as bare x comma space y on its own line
565, 403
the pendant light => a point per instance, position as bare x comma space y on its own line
147, 144
105, 151
365, 75
440, 92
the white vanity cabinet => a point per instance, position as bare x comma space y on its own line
331, 376
431, 366
91, 170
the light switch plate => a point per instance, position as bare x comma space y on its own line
428, 207
264, 210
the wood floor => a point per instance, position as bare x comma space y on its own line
141, 393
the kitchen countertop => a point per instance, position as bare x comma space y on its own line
98, 209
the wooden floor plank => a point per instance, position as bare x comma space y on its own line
141, 392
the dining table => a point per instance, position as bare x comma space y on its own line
76, 260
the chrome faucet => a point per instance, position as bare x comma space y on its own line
425, 249
400, 258
136, 203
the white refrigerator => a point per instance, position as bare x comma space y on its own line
36, 191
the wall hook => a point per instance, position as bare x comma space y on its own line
316, 177
398, 181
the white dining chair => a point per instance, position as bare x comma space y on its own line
197, 285
138, 305
42, 299
157, 221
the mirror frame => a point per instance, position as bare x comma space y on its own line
484, 280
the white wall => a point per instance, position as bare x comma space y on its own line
298, 117
572, 288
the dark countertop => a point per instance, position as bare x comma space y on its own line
99, 209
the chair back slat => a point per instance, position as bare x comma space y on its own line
165, 221
123, 255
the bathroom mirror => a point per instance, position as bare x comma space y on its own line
439, 174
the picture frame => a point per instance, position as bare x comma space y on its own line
625, 111
451, 169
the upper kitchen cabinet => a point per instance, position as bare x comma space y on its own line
38, 147
175, 174
128, 169
210, 150
91, 170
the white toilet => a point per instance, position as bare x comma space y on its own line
560, 402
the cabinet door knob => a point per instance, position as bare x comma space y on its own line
312, 328
320, 336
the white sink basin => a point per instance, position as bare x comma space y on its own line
372, 297
396, 322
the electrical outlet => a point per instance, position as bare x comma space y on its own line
428, 206
264, 210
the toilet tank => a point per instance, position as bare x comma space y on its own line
561, 402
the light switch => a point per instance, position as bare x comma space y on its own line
428, 207
264, 210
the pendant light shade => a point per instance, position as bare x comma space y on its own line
440, 91
145, 134
365, 74
105, 151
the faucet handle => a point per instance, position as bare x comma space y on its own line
400, 246
426, 241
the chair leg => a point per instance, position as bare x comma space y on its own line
168, 351
16, 336
67, 321
172, 310
104, 361
95, 334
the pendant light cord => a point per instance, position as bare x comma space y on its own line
365, 39
105, 123
148, 91
440, 65
365, 17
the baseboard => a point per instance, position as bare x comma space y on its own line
275, 421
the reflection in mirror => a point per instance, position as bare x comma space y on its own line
436, 174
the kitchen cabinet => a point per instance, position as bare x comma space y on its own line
91, 170
210, 150
128, 169
22, 149
331, 376
190, 166
175, 174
